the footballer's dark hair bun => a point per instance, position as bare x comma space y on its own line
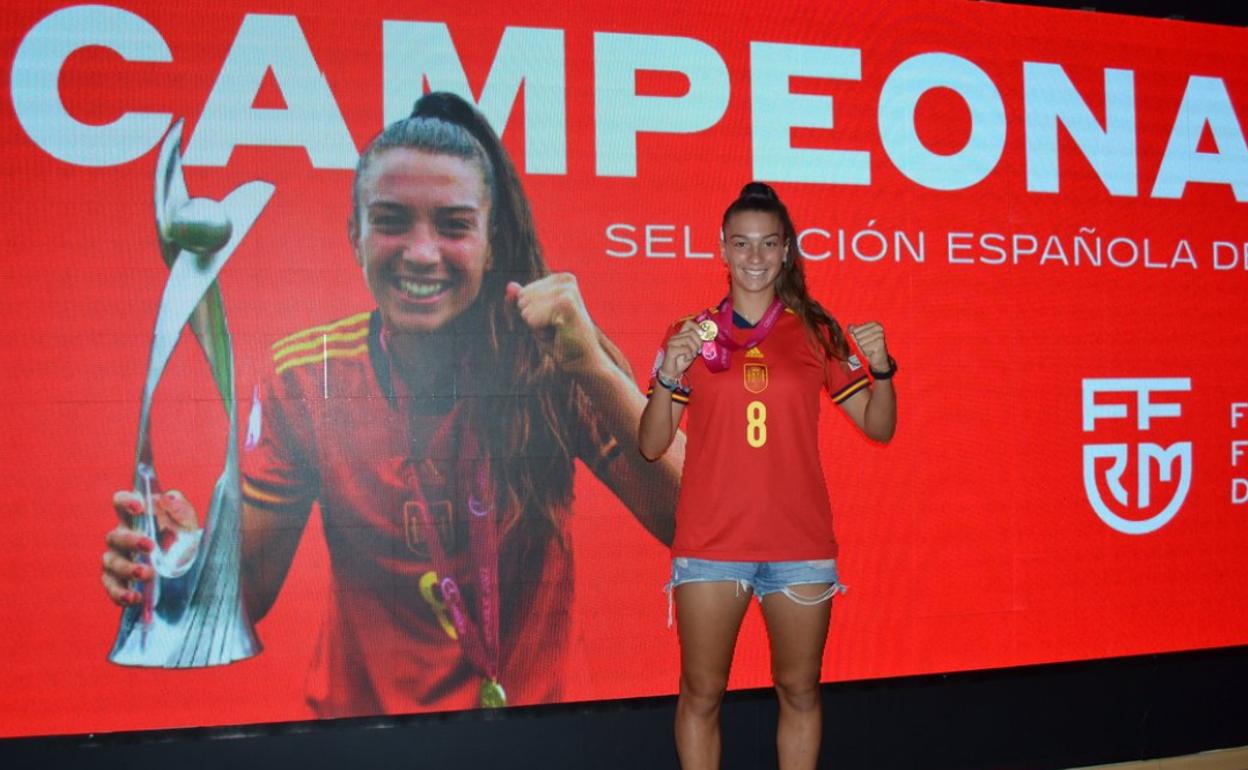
758, 190
450, 108
443, 106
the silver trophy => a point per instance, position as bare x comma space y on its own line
192, 612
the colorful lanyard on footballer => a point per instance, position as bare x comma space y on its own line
716, 334
480, 642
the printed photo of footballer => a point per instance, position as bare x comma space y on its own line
443, 462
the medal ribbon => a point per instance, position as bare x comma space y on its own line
717, 353
479, 640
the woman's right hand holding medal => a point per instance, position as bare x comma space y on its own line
682, 349
661, 417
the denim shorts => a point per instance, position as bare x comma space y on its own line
761, 577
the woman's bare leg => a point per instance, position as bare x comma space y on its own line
798, 633
708, 617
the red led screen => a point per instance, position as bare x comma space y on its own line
1045, 210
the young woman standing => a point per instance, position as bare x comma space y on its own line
753, 514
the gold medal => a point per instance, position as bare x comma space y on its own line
492, 695
707, 330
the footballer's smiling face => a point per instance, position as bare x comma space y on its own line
753, 248
421, 233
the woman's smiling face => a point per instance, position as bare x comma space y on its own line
421, 233
754, 249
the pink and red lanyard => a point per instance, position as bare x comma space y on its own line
717, 353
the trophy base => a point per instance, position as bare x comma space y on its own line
160, 644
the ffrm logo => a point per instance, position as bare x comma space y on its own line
1149, 404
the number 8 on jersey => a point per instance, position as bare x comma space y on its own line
756, 424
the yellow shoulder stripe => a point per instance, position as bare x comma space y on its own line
323, 355
712, 310
323, 329
323, 340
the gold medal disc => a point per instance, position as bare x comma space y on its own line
492, 695
707, 330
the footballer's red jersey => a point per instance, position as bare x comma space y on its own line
752, 488
333, 426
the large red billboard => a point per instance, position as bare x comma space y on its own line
1045, 210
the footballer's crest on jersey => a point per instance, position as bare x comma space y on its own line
755, 377
439, 513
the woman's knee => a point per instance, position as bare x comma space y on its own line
703, 690
798, 690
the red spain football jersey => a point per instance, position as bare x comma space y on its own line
752, 488
332, 427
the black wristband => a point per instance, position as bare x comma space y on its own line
888, 375
672, 385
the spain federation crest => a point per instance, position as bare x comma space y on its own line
439, 512
755, 377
